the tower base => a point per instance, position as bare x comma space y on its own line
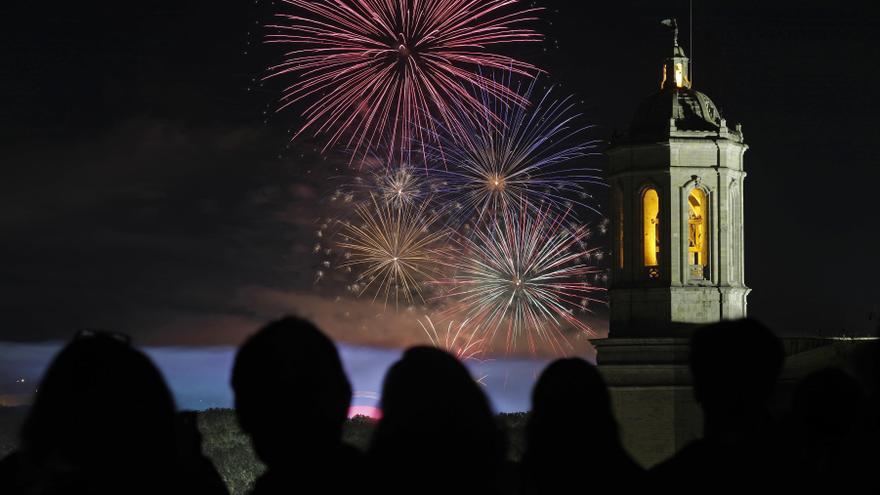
673, 311
652, 393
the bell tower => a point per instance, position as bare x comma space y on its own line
676, 180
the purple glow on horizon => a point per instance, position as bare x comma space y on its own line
199, 376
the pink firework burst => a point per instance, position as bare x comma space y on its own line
374, 72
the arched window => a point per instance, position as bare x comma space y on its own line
651, 227
698, 242
735, 234
618, 235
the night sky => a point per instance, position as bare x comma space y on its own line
147, 186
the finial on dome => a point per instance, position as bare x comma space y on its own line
675, 70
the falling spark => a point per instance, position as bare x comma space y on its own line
457, 339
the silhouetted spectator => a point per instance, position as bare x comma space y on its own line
572, 441
735, 366
102, 422
437, 433
292, 397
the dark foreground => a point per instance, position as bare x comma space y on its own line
104, 422
230, 449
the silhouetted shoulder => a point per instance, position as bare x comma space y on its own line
346, 471
693, 464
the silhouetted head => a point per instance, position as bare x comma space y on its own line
572, 441
735, 365
434, 413
571, 408
102, 406
827, 402
291, 392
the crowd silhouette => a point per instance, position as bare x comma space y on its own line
104, 422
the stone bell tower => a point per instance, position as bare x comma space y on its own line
677, 184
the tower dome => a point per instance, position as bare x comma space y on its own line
677, 106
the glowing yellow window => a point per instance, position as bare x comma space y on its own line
651, 228
679, 75
698, 244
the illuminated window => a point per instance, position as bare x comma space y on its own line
679, 75
698, 244
651, 228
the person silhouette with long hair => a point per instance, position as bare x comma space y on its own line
437, 434
102, 422
292, 397
572, 440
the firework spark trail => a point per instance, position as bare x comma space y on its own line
383, 69
525, 273
530, 159
462, 343
397, 249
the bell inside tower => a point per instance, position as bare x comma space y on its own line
651, 229
698, 246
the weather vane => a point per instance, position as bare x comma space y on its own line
672, 23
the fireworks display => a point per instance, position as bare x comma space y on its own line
532, 159
525, 273
395, 248
374, 70
470, 180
